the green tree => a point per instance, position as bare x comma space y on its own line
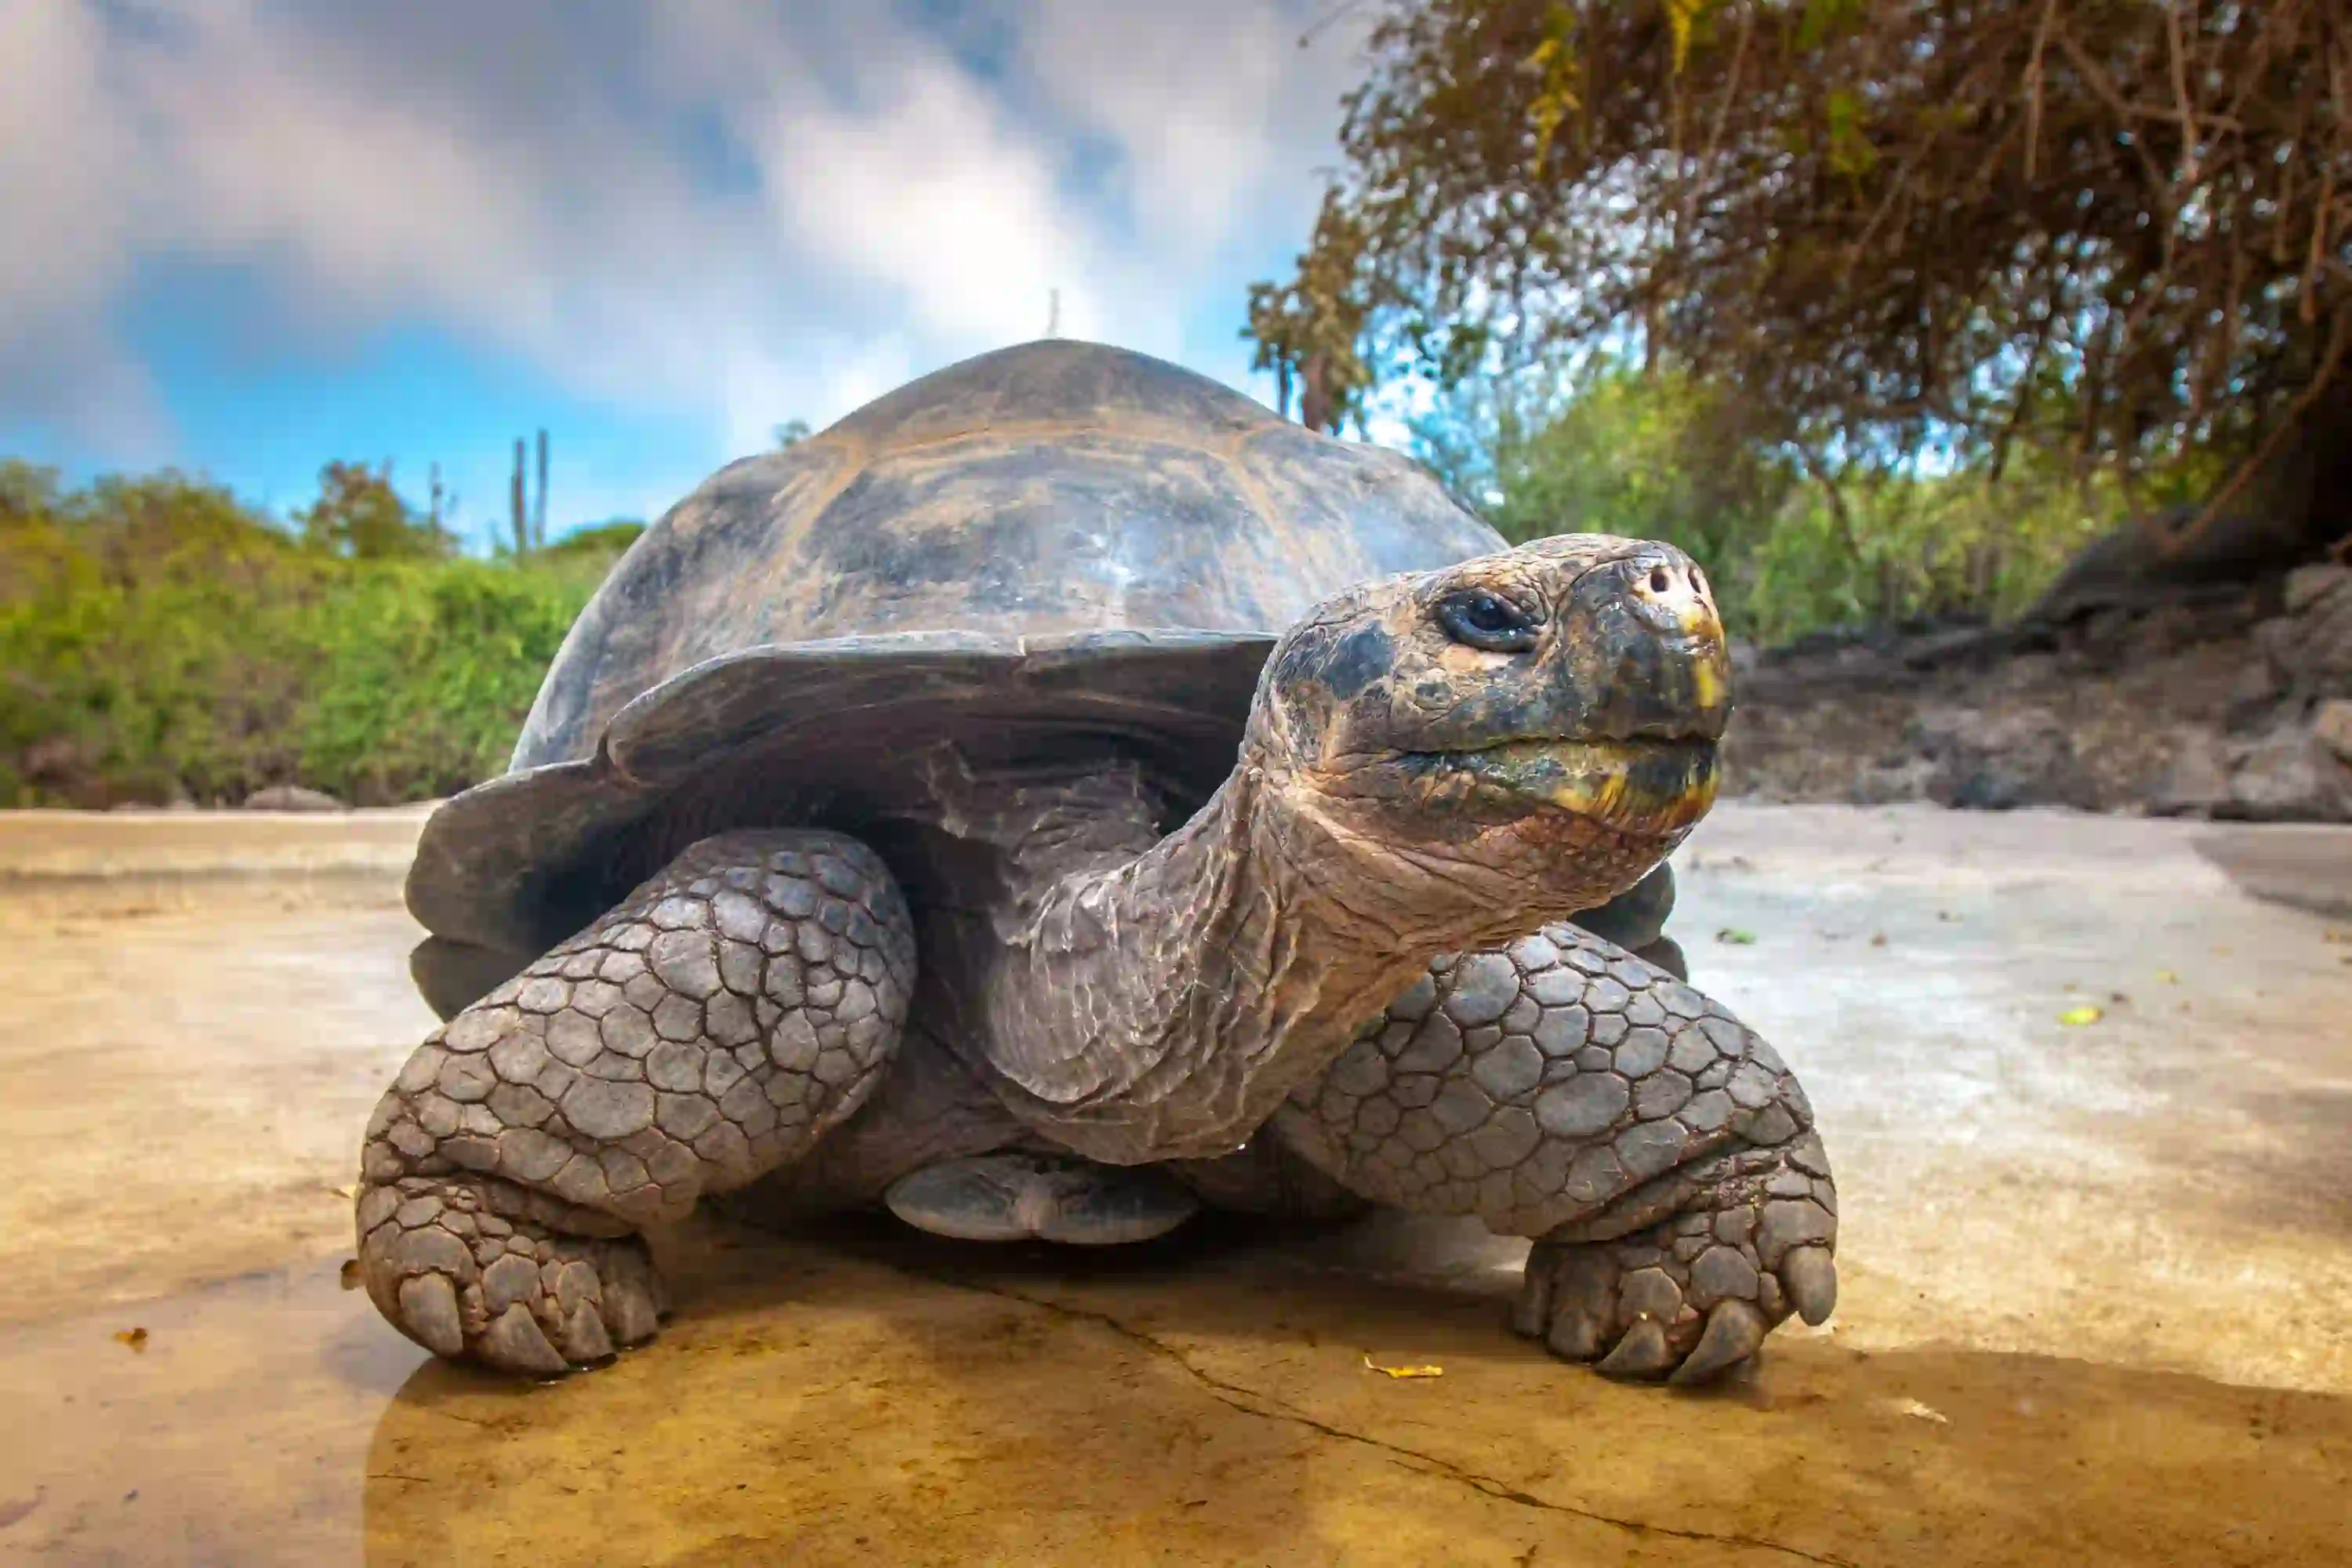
607, 539
1618, 450
1615, 448
1309, 331
27, 491
359, 516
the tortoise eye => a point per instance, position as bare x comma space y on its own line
1482, 620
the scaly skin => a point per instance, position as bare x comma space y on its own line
1564, 1089
708, 1029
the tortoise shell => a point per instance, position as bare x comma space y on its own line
1056, 545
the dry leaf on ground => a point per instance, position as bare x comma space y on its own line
1404, 1371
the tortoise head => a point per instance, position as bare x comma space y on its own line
1539, 728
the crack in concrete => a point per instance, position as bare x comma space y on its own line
1266, 1407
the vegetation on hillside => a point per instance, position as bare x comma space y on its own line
160, 640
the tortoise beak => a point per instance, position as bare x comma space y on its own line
1646, 785
1644, 652
1633, 706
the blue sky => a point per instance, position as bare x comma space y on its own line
245, 237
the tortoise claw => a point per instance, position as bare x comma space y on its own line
1810, 1275
514, 1343
1734, 1331
1643, 1352
584, 1339
428, 1310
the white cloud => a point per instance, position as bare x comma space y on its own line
71, 203
928, 193
735, 213
1190, 93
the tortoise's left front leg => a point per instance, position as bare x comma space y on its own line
1659, 1153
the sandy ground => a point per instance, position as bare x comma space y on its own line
2093, 1306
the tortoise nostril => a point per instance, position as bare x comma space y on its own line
1659, 580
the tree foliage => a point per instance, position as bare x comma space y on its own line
359, 515
1615, 448
1662, 453
1310, 330
2113, 228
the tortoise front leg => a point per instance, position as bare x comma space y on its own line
708, 1029
1657, 1150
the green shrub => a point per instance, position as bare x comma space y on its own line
425, 674
158, 640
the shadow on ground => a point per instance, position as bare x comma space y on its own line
867, 1393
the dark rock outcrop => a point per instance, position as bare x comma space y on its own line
2229, 706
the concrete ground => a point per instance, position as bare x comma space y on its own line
2096, 1277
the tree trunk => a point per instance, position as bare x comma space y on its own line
1314, 409
2292, 509
516, 514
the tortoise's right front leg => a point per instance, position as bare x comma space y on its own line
708, 1030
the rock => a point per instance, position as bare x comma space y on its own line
2151, 705
2198, 782
1891, 783
1948, 644
2325, 660
2332, 724
1999, 761
2309, 648
2276, 641
2166, 629
2254, 688
2288, 775
2306, 587
292, 797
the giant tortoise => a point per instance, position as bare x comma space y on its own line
1060, 795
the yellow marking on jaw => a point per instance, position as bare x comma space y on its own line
1707, 683
1594, 779
1608, 797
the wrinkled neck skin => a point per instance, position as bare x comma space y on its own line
1145, 998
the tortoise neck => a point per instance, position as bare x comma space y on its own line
1159, 1000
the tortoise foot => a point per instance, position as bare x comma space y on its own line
471, 1283
1692, 1298
1043, 1197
